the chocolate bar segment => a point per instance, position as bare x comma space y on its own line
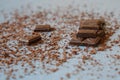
86, 41
86, 33
30, 39
93, 21
34, 39
43, 28
92, 24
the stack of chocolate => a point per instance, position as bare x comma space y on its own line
90, 32
36, 37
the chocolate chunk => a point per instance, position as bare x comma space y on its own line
34, 39
97, 24
86, 33
43, 28
31, 39
86, 41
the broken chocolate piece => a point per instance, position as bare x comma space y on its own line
91, 41
97, 24
31, 39
43, 28
86, 41
34, 39
86, 33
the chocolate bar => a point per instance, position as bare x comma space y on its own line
97, 24
86, 33
86, 41
43, 28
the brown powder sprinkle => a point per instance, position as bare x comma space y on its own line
93, 51
54, 50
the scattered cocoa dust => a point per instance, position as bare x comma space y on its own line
12, 52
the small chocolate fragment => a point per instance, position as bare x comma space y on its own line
76, 41
34, 39
43, 28
31, 39
92, 41
86, 33
86, 41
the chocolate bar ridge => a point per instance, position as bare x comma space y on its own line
86, 33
